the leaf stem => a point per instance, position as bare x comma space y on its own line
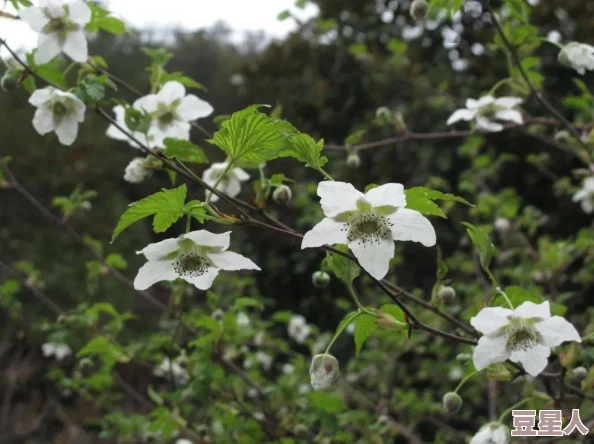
340, 330
353, 294
325, 174
502, 293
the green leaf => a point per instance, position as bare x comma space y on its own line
346, 321
184, 150
181, 78
195, 209
305, 149
52, 73
108, 351
421, 199
252, 136
486, 249
101, 18
167, 206
365, 324
116, 260
395, 311
327, 402
345, 269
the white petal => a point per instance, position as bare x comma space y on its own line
192, 108
327, 232
485, 100
461, 114
43, 121
530, 310
158, 251
40, 96
34, 17
171, 92
67, 130
208, 239
410, 225
240, 174
211, 175
338, 197
48, 47
488, 125
489, 350
149, 103
510, 115
472, 104
374, 256
80, 13
79, 108
482, 436
204, 281
75, 46
556, 330
534, 360
580, 195
176, 130
390, 194
587, 206
152, 272
228, 260
232, 187
490, 319
509, 102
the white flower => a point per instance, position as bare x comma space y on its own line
61, 29
288, 368
183, 441
172, 111
195, 257
298, 328
259, 416
579, 56
137, 170
368, 223
242, 319
264, 359
60, 351
230, 184
115, 133
492, 433
585, 196
323, 371
57, 111
167, 369
525, 335
502, 224
487, 110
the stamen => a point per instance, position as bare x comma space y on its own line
521, 335
166, 118
367, 226
191, 264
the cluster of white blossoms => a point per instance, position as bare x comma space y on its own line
524, 335
579, 56
488, 112
585, 196
172, 369
368, 223
298, 329
230, 184
60, 26
59, 351
137, 170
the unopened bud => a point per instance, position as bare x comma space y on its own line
387, 321
452, 402
580, 373
104, 271
320, 279
568, 358
353, 160
10, 81
323, 371
446, 294
218, 314
418, 9
282, 195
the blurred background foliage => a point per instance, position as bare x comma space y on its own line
329, 78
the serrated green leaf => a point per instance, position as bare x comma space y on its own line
305, 149
184, 150
365, 324
424, 206
345, 269
188, 82
196, 209
434, 195
252, 136
101, 18
167, 206
395, 311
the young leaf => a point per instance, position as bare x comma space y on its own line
486, 249
185, 151
364, 326
327, 402
395, 311
305, 149
167, 206
345, 269
422, 200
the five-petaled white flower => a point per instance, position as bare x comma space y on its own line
368, 223
524, 335
298, 328
579, 56
196, 257
61, 29
172, 111
57, 111
137, 170
60, 351
230, 184
172, 369
487, 110
585, 196
492, 433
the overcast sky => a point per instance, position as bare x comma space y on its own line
240, 15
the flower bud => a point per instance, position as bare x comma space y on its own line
282, 195
353, 160
580, 373
10, 81
452, 402
218, 314
320, 279
446, 294
323, 371
418, 9
387, 321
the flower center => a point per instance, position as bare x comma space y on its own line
59, 109
166, 118
192, 264
368, 226
488, 111
521, 335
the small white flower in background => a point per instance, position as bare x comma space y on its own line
183, 441
288, 368
456, 373
59, 351
259, 416
167, 369
451, 39
298, 328
196, 257
525, 335
487, 111
579, 56
172, 112
492, 433
61, 29
585, 196
502, 224
242, 319
303, 389
115, 133
350, 328
57, 111
368, 223
323, 371
137, 170
264, 359
554, 36
217, 428
230, 184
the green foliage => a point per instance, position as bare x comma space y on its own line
485, 247
345, 269
101, 19
422, 200
185, 151
327, 402
305, 149
365, 325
